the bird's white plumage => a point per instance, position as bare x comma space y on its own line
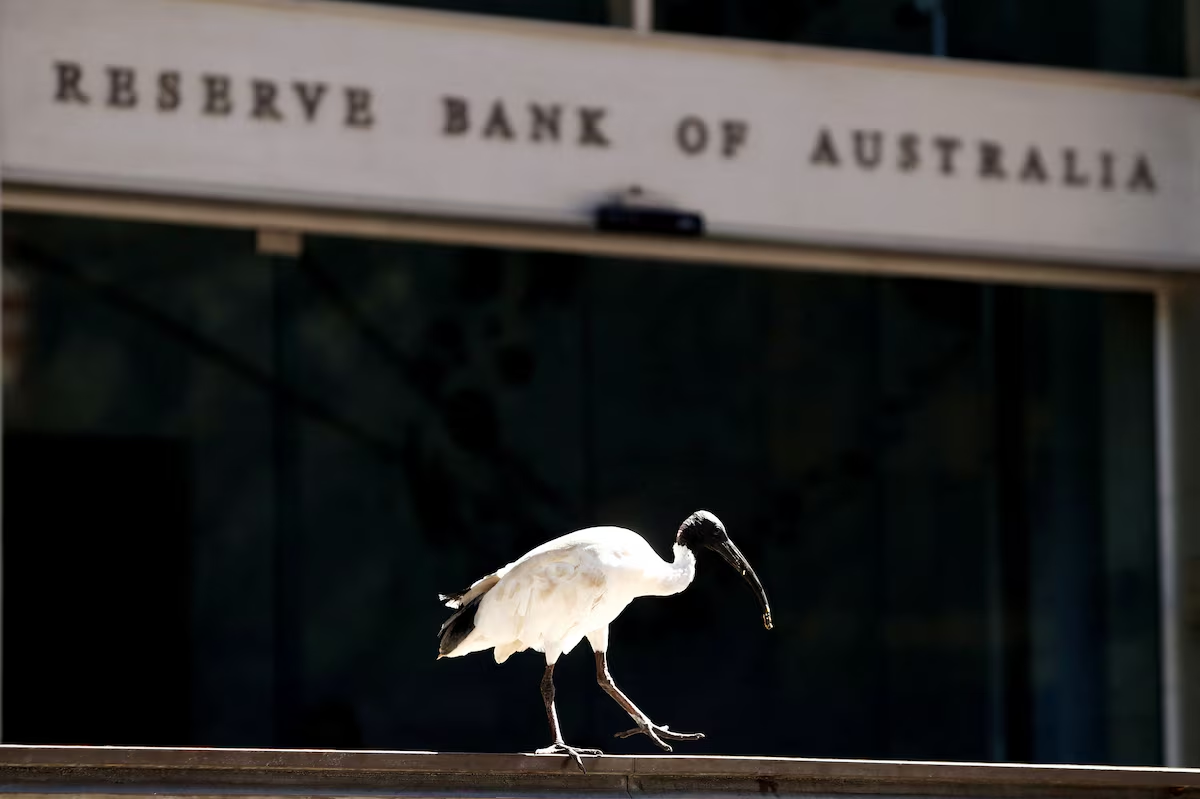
568, 588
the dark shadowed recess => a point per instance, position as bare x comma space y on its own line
235, 484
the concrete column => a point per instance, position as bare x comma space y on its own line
1179, 508
1180, 449
1, 505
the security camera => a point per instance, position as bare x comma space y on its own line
655, 221
631, 213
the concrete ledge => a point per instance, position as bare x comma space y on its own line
40, 771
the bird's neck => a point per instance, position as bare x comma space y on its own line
678, 574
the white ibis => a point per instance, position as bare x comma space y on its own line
572, 588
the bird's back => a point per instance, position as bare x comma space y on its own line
557, 593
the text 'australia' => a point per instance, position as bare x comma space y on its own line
949, 156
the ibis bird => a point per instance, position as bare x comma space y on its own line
572, 588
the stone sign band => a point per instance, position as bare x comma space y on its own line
393, 110
553, 123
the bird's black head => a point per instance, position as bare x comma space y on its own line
701, 529
704, 530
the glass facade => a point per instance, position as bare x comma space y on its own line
234, 485
1105, 35
1146, 38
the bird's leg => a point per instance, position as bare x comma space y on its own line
644, 724
559, 747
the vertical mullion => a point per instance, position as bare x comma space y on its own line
637, 15
643, 16
287, 542
1191, 27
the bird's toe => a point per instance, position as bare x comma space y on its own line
666, 732
657, 734
649, 732
572, 752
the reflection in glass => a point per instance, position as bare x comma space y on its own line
244, 480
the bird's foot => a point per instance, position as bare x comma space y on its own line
656, 733
574, 752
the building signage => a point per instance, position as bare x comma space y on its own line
346, 106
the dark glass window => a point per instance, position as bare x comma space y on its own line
243, 480
1108, 35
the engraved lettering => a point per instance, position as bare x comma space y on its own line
168, 91
1106, 170
734, 133
310, 96
69, 75
868, 148
1071, 175
824, 152
692, 135
120, 88
909, 154
590, 133
991, 160
1033, 170
1142, 178
264, 93
545, 121
947, 147
216, 95
456, 119
358, 108
497, 126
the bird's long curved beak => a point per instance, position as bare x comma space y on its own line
734, 557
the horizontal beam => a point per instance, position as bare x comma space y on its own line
111, 771
305, 221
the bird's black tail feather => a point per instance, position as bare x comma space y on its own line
453, 600
458, 626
